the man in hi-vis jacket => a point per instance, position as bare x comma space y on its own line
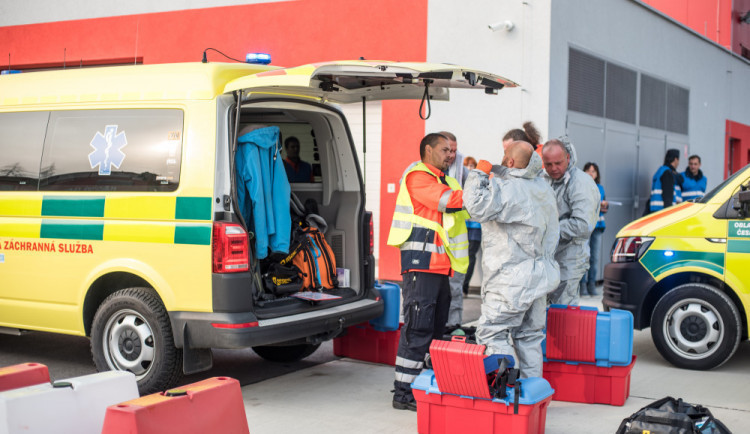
430, 230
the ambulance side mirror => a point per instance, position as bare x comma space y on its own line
741, 201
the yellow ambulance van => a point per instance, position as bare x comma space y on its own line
119, 208
685, 272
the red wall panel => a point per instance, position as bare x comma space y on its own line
293, 32
736, 147
710, 18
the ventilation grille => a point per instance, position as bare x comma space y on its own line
653, 102
677, 109
336, 240
621, 93
585, 83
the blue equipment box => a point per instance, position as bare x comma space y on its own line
570, 336
389, 320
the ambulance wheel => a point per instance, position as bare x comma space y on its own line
285, 353
696, 326
131, 332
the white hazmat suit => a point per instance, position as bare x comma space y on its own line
518, 213
578, 200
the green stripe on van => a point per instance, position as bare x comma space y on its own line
72, 230
73, 206
738, 246
192, 235
658, 262
193, 208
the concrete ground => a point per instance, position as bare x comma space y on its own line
350, 396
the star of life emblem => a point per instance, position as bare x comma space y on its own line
107, 149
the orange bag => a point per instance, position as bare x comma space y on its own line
313, 256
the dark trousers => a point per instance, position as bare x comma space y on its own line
427, 298
474, 246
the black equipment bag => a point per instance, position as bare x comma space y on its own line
672, 416
282, 280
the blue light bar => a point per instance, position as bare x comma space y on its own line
10, 71
258, 58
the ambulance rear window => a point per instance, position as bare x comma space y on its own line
112, 150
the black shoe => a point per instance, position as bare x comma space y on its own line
405, 403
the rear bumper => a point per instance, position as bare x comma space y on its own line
626, 286
198, 328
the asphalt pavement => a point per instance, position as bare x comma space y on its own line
350, 396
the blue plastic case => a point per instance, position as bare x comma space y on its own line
614, 337
389, 320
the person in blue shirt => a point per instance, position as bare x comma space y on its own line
693, 180
296, 169
666, 184
588, 281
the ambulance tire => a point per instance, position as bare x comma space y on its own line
696, 326
131, 332
285, 353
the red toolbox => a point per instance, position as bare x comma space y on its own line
22, 375
443, 413
363, 342
461, 368
589, 384
583, 334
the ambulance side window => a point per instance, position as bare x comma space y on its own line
21, 140
112, 150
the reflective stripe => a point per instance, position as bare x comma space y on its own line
404, 209
460, 253
400, 224
657, 203
443, 202
601, 218
656, 191
460, 238
405, 378
411, 364
418, 245
691, 193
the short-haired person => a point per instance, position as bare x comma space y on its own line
578, 208
296, 169
428, 227
693, 180
518, 214
666, 184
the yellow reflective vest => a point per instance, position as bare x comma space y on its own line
452, 232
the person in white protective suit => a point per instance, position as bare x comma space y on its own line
578, 200
518, 214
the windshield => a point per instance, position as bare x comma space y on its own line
712, 193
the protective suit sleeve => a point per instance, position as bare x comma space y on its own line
583, 200
433, 195
491, 199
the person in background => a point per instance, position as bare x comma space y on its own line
458, 171
693, 180
296, 169
518, 213
528, 134
666, 184
588, 282
428, 227
475, 235
578, 208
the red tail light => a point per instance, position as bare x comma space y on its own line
371, 232
230, 248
